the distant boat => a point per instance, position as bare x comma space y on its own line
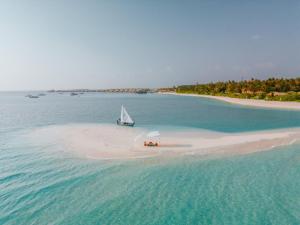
73, 94
42, 94
125, 119
32, 96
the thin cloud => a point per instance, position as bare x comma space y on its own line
256, 37
265, 65
169, 68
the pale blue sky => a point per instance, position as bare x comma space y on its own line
102, 44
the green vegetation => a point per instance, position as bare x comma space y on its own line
270, 89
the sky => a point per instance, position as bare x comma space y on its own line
61, 44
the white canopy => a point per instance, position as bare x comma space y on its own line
153, 134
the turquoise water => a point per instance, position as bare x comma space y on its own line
42, 184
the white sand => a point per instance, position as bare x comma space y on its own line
115, 142
246, 102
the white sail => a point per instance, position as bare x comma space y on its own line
122, 113
125, 118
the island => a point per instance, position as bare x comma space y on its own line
271, 93
274, 89
111, 90
281, 93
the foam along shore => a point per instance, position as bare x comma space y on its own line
246, 102
115, 142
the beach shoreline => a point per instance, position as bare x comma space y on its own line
245, 102
112, 142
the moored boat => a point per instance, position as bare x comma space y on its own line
32, 96
125, 119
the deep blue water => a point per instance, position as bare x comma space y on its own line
40, 184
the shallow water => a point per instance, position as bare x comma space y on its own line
153, 110
44, 184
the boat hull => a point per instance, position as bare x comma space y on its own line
124, 124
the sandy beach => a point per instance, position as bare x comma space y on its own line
114, 142
246, 102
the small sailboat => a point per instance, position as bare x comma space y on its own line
125, 119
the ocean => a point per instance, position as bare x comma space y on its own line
43, 184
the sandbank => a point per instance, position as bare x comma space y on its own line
104, 141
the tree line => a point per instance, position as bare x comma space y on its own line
280, 89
